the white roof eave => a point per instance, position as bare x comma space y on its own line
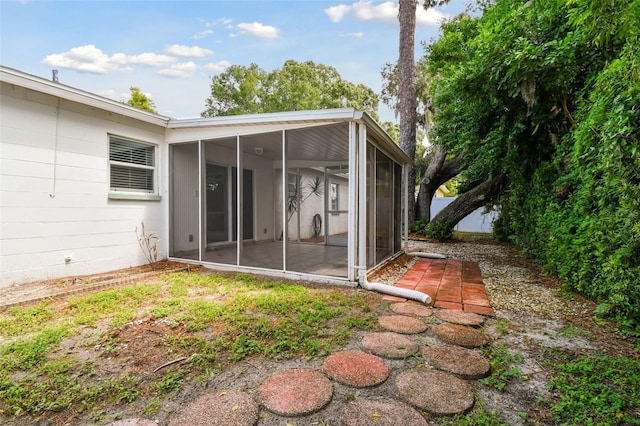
323, 115
28, 81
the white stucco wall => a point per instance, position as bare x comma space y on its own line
54, 187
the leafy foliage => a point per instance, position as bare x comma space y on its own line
296, 86
600, 390
548, 93
503, 369
442, 231
140, 100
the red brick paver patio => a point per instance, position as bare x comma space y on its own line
451, 284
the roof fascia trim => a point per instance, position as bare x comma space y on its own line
31, 82
267, 118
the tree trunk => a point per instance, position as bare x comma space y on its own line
466, 203
438, 172
428, 185
407, 92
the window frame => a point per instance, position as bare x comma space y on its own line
129, 193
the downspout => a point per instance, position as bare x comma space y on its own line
391, 290
52, 194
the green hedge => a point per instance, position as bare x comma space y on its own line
580, 214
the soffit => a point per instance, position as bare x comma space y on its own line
328, 143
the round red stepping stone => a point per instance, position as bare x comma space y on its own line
460, 335
435, 391
460, 317
356, 368
389, 345
219, 408
402, 324
411, 308
460, 361
380, 412
296, 392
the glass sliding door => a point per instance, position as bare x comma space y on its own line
217, 203
247, 203
384, 206
222, 204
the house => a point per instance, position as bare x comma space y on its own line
314, 195
442, 191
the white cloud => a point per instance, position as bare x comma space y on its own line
367, 11
187, 52
258, 30
90, 59
202, 34
428, 17
336, 13
217, 67
86, 58
179, 70
150, 59
386, 11
221, 21
354, 35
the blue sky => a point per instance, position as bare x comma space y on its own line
170, 49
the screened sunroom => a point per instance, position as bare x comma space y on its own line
316, 195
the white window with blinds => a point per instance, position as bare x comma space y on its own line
132, 166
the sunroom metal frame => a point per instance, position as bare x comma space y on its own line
363, 133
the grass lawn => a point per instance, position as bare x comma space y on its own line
135, 346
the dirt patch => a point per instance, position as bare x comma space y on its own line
37, 291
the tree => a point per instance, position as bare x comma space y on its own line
140, 100
294, 87
407, 90
545, 95
406, 84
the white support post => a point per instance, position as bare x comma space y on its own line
285, 230
239, 191
362, 202
354, 226
202, 191
405, 202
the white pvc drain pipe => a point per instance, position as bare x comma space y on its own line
427, 255
394, 291
397, 291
